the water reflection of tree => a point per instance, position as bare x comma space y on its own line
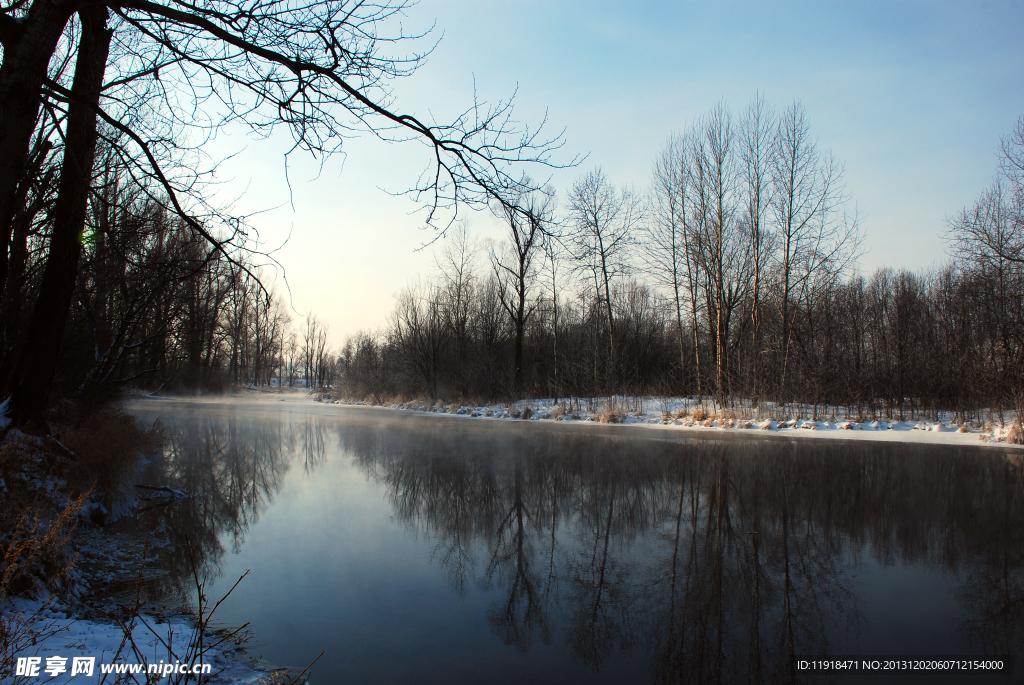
720, 560
754, 575
994, 589
231, 467
723, 560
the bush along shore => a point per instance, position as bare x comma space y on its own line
82, 591
704, 415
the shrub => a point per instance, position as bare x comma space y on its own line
1016, 435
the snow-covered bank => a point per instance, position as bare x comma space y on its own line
686, 415
50, 547
61, 640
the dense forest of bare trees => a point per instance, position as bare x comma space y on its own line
735, 277
154, 308
117, 261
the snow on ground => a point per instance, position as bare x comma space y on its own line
47, 631
688, 415
62, 639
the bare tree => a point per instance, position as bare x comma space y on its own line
456, 261
756, 149
553, 258
419, 330
670, 243
806, 189
528, 219
992, 231
988, 239
722, 249
318, 69
604, 222
37, 361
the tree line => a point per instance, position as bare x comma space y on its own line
734, 276
152, 306
117, 264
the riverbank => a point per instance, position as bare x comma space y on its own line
689, 416
76, 590
148, 646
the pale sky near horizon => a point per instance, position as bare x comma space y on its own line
912, 97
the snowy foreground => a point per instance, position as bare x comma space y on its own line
62, 643
47, 643
685, 415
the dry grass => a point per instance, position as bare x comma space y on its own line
557, 412
32, 525
610, 414
35, 556
47, 483
1015, 436
34, 562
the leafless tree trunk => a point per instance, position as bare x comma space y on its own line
806, 188
755, 153
605, 221
528, 218
38, 360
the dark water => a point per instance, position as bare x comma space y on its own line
427, 549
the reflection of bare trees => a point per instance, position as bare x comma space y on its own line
511, 565
312, 445
231, 467
993, 596
722, 560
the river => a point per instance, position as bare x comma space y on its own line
438, 549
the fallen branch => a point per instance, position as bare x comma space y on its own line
181, 494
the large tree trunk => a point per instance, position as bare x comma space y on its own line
17, 255
34, 373
28, 46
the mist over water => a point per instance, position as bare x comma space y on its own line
438, 549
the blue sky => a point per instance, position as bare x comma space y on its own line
912, 97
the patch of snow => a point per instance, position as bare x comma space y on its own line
64, 638
691, 414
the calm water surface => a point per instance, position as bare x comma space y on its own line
430, 549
